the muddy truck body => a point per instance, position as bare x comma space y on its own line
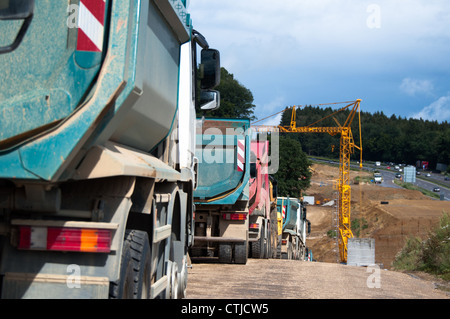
294, 229
97, 147
259, 203
222, 194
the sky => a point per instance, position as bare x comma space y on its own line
394, 55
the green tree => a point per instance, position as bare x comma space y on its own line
293, 174
236, 101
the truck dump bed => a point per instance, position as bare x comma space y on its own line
88, 88
288, 207
223, 150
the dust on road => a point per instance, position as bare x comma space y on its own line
287, 279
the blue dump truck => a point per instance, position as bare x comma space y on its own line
222, 193
294, 229
97, 144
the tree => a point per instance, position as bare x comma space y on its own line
236, 101
387, 139
293, 174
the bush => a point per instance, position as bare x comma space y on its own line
331, 233
409, 257
436, 250
432, 255
357, 225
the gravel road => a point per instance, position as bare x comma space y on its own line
285, 279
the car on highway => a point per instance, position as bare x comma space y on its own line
436, 189
428, 174
398, 175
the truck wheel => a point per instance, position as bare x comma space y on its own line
290, 250
256, 248
183, 278
241, 253
135, 271
225, 253
278, 249
174, 281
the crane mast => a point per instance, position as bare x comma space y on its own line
347, 147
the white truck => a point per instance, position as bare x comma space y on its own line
377, 177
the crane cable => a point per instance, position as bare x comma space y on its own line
323, 104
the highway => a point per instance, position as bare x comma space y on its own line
422, 181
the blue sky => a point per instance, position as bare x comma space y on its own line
392, 54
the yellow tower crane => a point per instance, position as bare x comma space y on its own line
347, 147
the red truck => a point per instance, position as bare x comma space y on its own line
259, 202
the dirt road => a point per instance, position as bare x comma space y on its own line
284, 279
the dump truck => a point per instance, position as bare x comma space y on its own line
276, 220
295, 228
259, 202
222, 194
97, 144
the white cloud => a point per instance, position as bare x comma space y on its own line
273, 121
436, 111
307, 49
415, 86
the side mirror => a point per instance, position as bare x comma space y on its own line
16, 10
210, 66
209, 100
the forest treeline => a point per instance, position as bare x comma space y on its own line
388, 139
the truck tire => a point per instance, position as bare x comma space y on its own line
135, 268
174, 281
290, 249
225, 253
241, 253
256, 248
278, 249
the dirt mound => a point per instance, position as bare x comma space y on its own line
390, 215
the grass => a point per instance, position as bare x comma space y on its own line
363, 179
357, 225
417, 188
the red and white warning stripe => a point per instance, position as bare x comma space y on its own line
283, 211
241, 155
91, 22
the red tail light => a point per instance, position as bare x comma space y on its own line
234, 216
64, 239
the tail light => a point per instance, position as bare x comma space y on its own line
234, 216
254, 226
64, 239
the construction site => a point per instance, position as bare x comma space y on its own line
386, 214
389, 215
